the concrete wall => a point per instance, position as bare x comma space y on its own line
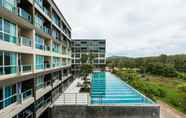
105, 112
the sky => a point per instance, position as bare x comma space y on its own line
134, 28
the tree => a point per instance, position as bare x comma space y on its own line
84, 58
91, 58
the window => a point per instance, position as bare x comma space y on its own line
39, 62
39, 42
10, 62
1, 63
56, 61
1, 24
39, 82
9, 95
7, 31
56, 48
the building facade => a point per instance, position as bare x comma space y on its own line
95, 47
35, 57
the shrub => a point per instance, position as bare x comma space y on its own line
182, 87
181, 76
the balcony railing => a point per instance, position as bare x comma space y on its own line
8, 69
25, 15
44, 9
26, 41
8, 38
46, 30
57, 64
39, 66
26, 68
26, 94
43, 103
43, 85
47, 48
47, 66
8, 101
8, 5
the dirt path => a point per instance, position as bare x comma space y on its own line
168, 112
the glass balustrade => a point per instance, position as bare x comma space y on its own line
26, 68
26, 41
9, 5
25, 15
8, 101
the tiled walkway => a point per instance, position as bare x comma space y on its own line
168, 112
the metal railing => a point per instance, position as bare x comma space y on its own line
74, 99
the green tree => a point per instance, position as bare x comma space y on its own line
84, 58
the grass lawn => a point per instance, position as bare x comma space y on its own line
171, 94
173, 97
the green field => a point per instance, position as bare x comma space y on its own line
158, 88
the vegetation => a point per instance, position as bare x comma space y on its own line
170, 90
86, 69
163, 65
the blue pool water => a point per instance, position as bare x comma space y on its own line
109, 89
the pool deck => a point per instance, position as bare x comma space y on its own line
73, 88
72, 96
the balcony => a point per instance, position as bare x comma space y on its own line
25, 41
47, 48
26, 94
46, 30
47, 66
8, 5
24, 14
40, 66
8, 69
8, 101
42, 105
57, 65
14, 104
42, 89
26, 68
8, 38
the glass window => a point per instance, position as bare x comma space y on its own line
9, 28
39, 82
39, 62
1, 24
1, 63
39, 42
10, 61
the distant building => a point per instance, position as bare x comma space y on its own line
96, 47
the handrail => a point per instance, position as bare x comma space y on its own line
75, 98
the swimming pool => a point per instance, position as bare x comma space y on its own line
109, 89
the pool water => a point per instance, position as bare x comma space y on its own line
109, 89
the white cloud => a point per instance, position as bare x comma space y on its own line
131, 27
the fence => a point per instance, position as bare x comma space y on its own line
73, 99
